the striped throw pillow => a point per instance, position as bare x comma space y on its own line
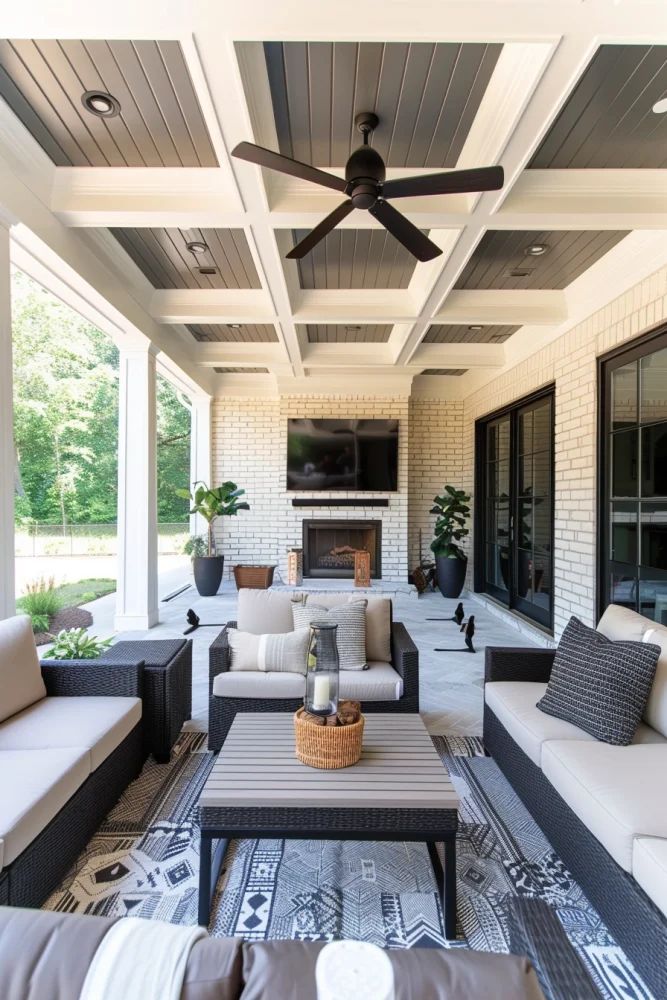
351, 634
284, 651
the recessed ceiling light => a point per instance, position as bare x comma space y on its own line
234, 326
476, 326
353, 329
536, 249
660, 106
101, 104
207, 270
196, 246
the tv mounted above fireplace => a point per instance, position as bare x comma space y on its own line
359, 455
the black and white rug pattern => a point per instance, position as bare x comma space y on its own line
144, 862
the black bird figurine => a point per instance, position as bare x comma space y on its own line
194, 622
459, 615
469, 629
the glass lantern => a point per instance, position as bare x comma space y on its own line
322, 670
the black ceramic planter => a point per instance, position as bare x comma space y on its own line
208, 574
451, 575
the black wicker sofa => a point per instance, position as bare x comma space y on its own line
80, 775
223, 709
637, 923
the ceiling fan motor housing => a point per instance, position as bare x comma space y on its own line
365, 174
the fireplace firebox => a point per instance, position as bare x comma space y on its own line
329, 547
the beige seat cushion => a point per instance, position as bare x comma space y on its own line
97, 724
34, 786
21, 681
378, 619
649, 867
619, 793
264, 612
622, 623
514, 703
379, 683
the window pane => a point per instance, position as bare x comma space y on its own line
498, 479
525, 432
623, 589
542, 577
526, 475
542, 473
624, 532
653, 595
525, 525
499, 519
542, 426
624, 464
654, 535
542, 524
524, 565
654, 461
654, 387
497, 564
624, 396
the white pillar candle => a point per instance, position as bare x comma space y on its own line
321, 695
354, 970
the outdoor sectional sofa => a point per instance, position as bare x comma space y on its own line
390, 684
603, 807
70, 743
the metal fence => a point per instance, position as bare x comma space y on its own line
89, 539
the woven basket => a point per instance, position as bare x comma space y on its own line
327, 747
257, 577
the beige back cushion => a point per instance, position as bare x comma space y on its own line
265, 611
378, 620
21, 681
622, 623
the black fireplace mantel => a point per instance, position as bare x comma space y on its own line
338, 502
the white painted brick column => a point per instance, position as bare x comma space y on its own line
7, 452
200, 452
136, 596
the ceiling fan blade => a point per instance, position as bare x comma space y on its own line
320, 231
404, 231
450, 182
276, 161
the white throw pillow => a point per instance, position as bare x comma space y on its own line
351, 634
284, 651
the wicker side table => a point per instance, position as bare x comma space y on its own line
167, 688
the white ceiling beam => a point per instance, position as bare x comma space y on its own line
503, 306
459, 356
329, 355
211, 305
367, 305
236, 354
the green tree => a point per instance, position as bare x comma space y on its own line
173, 453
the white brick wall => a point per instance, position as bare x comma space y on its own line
571, 363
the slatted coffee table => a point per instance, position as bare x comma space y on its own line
399, 790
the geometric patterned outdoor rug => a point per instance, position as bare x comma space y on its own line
144, 862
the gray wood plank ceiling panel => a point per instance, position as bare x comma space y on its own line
160, 123
245, 333
426, 96
444, 371
241, 371
608, 119
355, 258
332, 333
164, 258
444, 333
500, 260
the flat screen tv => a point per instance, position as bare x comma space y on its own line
342, 455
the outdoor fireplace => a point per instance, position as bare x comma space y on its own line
329, 547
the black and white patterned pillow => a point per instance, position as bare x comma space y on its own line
351, 633
599, 685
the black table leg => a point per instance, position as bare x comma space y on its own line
204, 879
446, 882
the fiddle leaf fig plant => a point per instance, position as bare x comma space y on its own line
219, 501
453, 511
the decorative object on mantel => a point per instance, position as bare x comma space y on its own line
256, 577
451, 561
295, 567
354, 969
362, 568
329, 742
210, 503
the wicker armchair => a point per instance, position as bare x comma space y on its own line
222, 710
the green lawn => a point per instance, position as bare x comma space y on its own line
74, 594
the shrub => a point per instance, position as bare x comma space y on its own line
41, 602
76, 644
195, 546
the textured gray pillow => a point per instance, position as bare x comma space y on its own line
351, 634
599, 685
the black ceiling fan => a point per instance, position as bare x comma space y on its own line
365, 186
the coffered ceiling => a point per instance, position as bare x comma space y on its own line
560, 95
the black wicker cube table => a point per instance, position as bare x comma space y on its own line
399, 790
166, 687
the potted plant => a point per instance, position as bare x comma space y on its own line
452, 509
220, 501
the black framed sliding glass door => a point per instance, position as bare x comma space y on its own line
514, 507
633, 479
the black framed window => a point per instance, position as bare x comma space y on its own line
514, 507
633, 478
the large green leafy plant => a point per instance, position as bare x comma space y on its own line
453, 511
221, 501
